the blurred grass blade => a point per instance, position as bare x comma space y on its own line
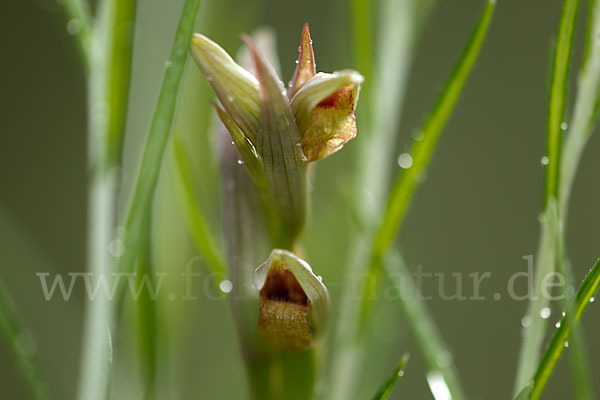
585, 109
423, 147
156, 141
525, 394
558, 95
385, 389
147, 317
194, 218
584, 297
80, 25
422, 326
21, 344
118, 55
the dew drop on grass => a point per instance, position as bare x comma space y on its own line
545, 313
563, 313
557, 325
226, 286
405, 161
116, 248
230, 98
526, 321
564, 126
438, 386
240, 162
566, 344
73, 27
168, 64
545, 160
592, 299
400, 373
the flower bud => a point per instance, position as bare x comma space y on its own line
305, 66
324, 111
235, 87
294, 302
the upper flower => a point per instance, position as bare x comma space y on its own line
277, 131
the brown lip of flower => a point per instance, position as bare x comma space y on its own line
293, 302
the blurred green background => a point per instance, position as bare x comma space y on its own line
476, 212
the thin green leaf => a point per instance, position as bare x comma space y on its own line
118, 55
423, 328
21, 344
194, 218
385, 389
585, 111
80, 26
147, 317
568, 156
425, 142
558, 94
525, 393
156, 141
584, 296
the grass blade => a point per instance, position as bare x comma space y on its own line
583, 298
558, 95
147, 318
562, 166
196, 222
385, 389
422, 149
21, 344
582, 123
157, 139
422, 325
80, 25
118, 58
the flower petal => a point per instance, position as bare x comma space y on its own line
278, 143
235, 87
306, 67
294, 302
324, 111
246, 149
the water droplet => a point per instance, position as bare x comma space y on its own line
563, 313
545, 313
526, 321
226, 286
116, 248
73, 27
438, 386
564, 126
557, 325
566, 344
418, 136
400, 373
592, 299
240, 162
230, 98
168, 64
320, 278
296, 61
541, 218
405, 160
545, 160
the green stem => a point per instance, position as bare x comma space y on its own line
108, 87
80, 25
21, 344
156, 142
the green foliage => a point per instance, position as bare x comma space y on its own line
387, 387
